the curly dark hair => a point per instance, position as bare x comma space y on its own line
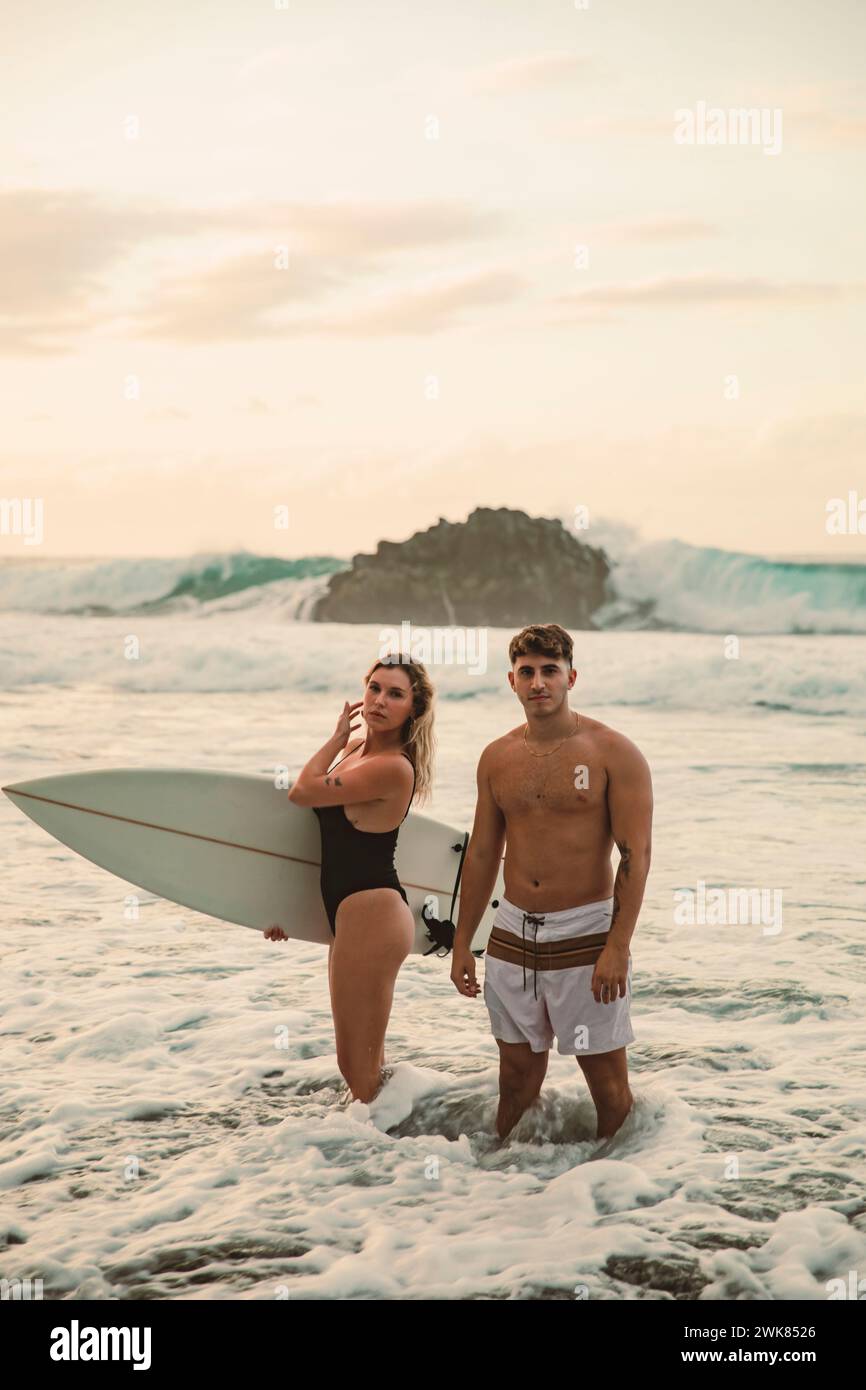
542, 639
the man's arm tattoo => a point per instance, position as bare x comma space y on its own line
621, 873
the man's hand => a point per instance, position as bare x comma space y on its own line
463, 972
610, 976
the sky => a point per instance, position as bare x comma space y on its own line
297, 278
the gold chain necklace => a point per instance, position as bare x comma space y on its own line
559, 745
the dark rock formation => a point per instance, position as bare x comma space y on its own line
499, 568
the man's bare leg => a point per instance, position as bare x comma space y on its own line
606, 1076
521, 1072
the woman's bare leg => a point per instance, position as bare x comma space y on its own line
375, 931
331, 991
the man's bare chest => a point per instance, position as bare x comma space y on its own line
523, 784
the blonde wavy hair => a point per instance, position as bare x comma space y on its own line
417, 732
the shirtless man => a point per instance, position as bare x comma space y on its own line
561, 789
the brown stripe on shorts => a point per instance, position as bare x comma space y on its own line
546, 955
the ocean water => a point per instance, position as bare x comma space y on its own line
169, 1122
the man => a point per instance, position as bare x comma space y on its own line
561, 790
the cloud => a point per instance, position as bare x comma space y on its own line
256, 406
231, 300
827, 130
540, 70
657, 229
58, 252
825, 127
681, 291
808, 444
33, 335
242, 300
168, 413
633, 127
372, 229
61, 253
419, 311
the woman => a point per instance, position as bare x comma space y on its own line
360, 809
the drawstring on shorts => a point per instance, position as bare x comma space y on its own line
535, 922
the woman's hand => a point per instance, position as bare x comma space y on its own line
275, 933
345, 727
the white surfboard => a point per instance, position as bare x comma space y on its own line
232, 846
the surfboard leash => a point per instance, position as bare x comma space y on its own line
441, 932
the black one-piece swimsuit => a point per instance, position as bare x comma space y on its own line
355, 859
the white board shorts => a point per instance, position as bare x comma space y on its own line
537, 977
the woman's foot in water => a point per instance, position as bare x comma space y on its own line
346, 1097
385, 1074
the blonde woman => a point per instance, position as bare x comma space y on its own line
361, 803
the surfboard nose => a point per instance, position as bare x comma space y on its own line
38, 786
